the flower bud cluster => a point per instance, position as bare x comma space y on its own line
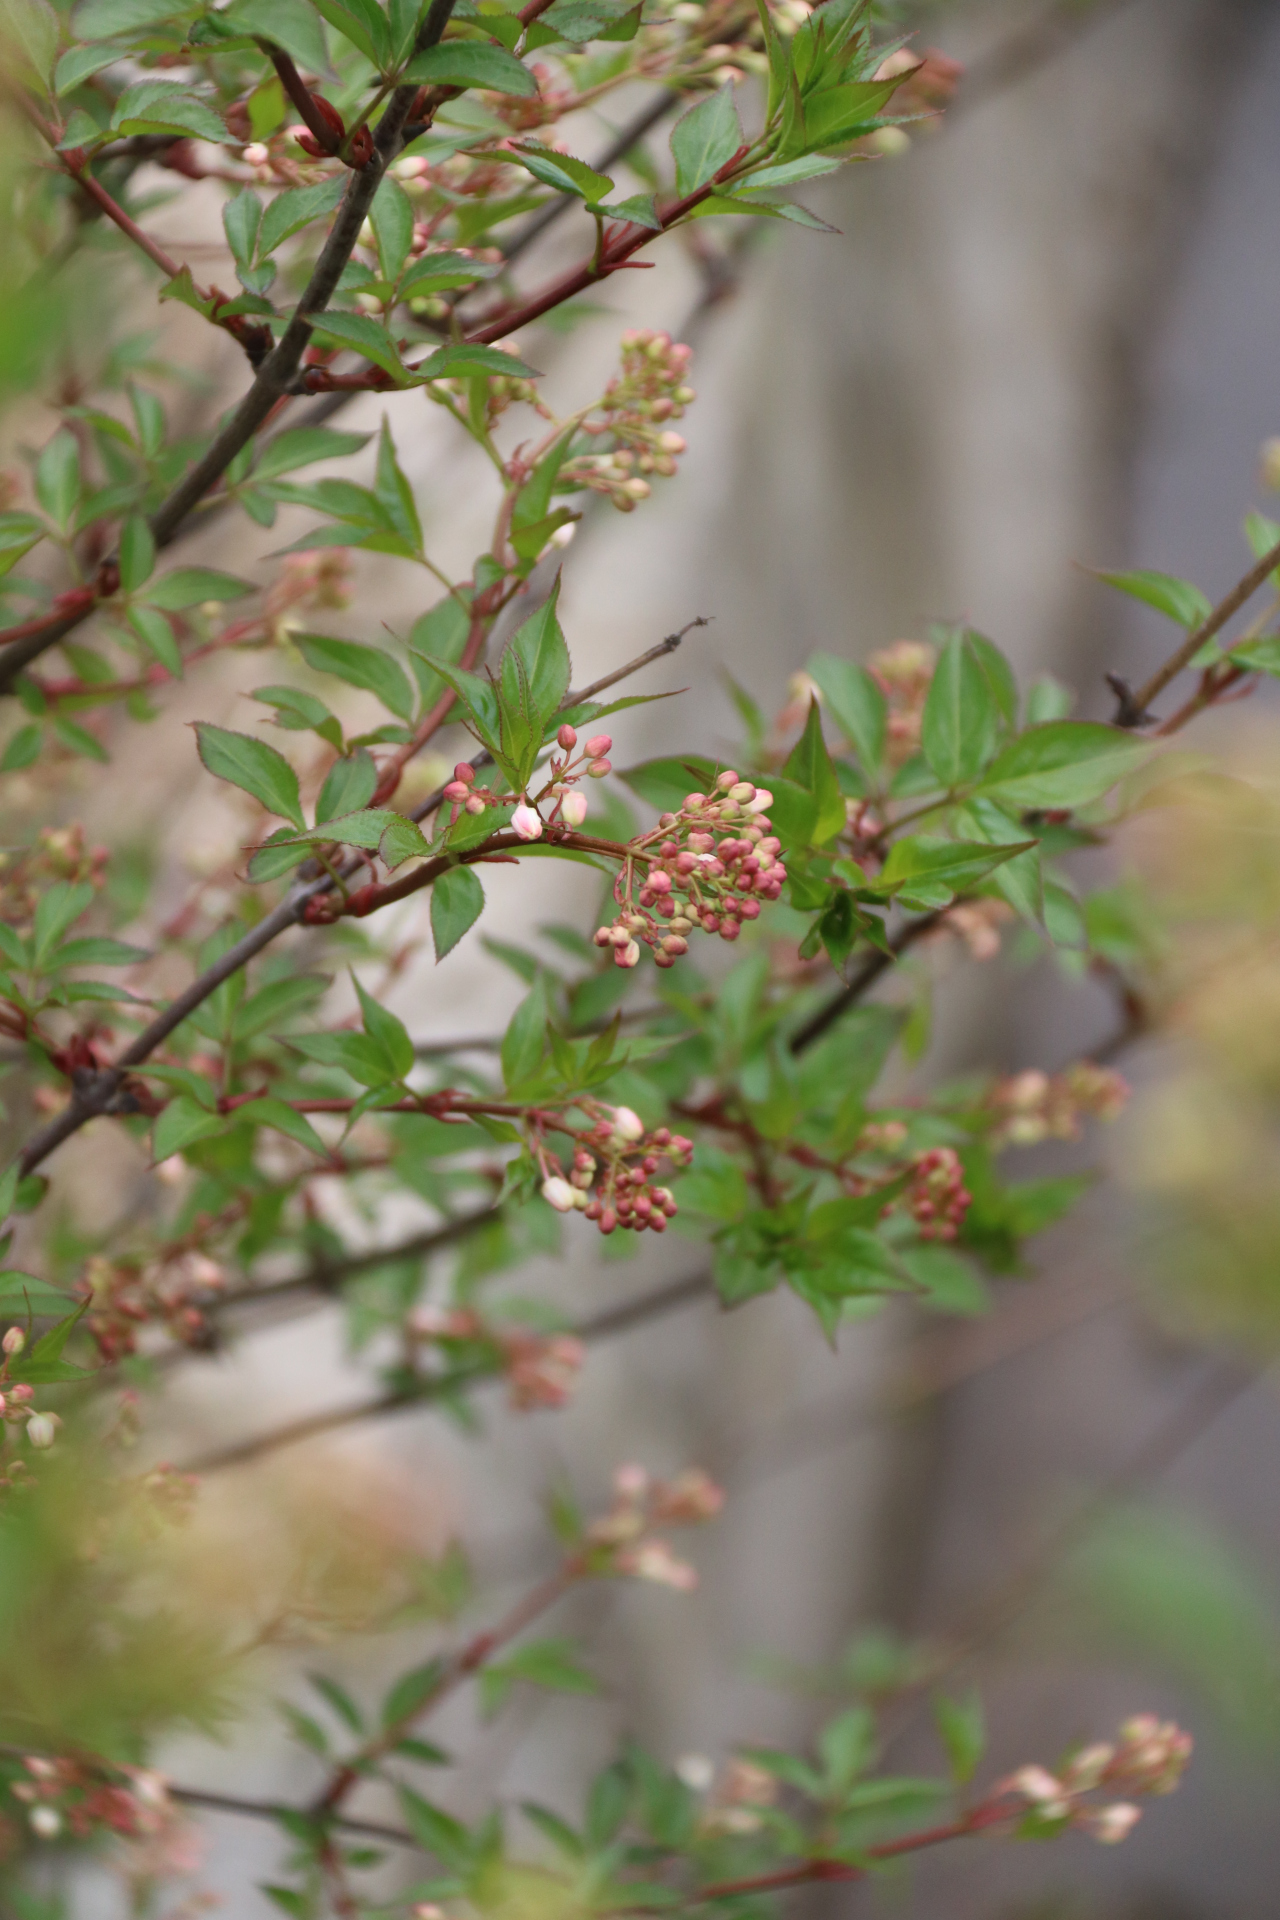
936, 1196
641, 1503
80, 1798
636, 411
735, 1799
903, 672
59, 853
1034, 1106
978, 924
611, 1179
699, 876
502, 390
306, 583
462, 794
541, 1370
1149, 1758
125, 1297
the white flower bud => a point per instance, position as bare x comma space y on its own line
42, 1429
559, 1194
526, 821
14, 1340
573, 809
46, 1821
627, 1125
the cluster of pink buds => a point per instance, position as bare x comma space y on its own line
903, 673
566, 769
1149, 1758
695, 880
735, 1798
80, 1798
125, 1298
651, 390
16, 1408
611, 1179
641, 1503
541, 1370
936, 1196
1035, 1106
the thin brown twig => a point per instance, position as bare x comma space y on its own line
601, 1326
1134, 709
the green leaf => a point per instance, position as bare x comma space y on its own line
563, 172
438, 1832
290, 24
137, 553
433, 272
961, 723
193, 586
402, 840
394, 494
387, 1032
57, 909
108, 19
467, 358
241, 219
32, 26
19, 532
809, 765
98, 953
411, 1692
664, 783
579, 21
363, 335
392, 218
1065, 764
354, 1054
180, 1125
349, 786
921, 866
855, 703
962, 1730
471, 63
300, 446
43, 1363
525, 1040
704, 140
253, 766
160, 106
364, 24
58, 478
284, 216
1177, 599
22, 750
539, 645
23, 1293
281, 1118
81, 63
847, 1745
457, 901
543, 1663
156, 634
360, 666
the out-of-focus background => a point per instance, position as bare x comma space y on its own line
1043, 340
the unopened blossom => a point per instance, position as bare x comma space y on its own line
42, 1430
692, 1496
526, 821
627, 1125
903, 672
696, 1771
1035, 1106
653, 1560
1111, 1824
558, 1194
573, 809
542, 1371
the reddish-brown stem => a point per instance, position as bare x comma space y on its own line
991, 1813
614, 254
468, 1660
1134, 706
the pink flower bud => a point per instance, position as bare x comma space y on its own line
465, 772
567, 737
727, 779
42, 1429
627, 1125
558, 1194
599, 768
659, 882
573, 809
628, 956
14, 1341
598, 745
475, 804
762, 802
456, 790
526, 822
